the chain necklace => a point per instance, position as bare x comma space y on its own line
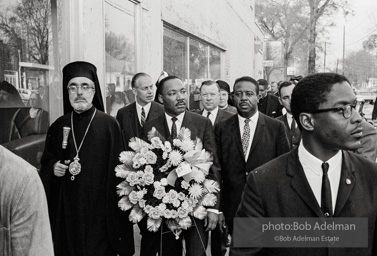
75, 166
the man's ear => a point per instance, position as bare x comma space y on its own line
134, 91
307, 121
281, 103
160, 98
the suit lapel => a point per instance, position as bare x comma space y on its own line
258, 134
235, 130
135, 120
300, 184
347, 182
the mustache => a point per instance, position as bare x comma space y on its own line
79, 98
181, 102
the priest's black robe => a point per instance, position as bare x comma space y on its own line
85, 218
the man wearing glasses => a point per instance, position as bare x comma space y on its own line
80, 181
321, 178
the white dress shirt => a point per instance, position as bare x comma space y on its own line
213, 114
313, 171
178, 122
253, 125
146, 110
289, 120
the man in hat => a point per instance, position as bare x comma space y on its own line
80, 182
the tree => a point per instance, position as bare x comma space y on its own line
284, 21
26, 27
317, 10
359, 67
370, 44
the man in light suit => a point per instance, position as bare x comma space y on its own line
172, 93
293, 132
244, 142
132, 117
321, 178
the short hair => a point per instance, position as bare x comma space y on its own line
284, 84
247, 79
136, 76
263, 82
311, 91
209, 82
160, 88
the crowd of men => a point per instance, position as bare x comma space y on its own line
268, 164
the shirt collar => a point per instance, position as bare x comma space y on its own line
147, 107
213, 112
253, 119
179, 117
314, 163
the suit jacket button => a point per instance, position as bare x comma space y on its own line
247, 174
326, 214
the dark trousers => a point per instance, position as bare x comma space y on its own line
218, 241
196, 240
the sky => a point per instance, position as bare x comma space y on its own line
358, 27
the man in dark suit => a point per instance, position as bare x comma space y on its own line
110, 98
293, 132
210, 95
244, 142
320, 178
132, 117
268, 104
172, 93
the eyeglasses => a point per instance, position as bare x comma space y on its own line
84, 88
346, 110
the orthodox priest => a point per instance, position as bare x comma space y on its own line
78, 172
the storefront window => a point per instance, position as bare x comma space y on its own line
203, 62
26, 65
120, 49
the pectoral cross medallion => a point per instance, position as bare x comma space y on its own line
75, 167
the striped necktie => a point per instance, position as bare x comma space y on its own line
142, 117
173, 128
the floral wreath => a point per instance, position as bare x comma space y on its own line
166, 181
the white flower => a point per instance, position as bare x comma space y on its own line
185, 222
176, 203
136, 165
154, 213
175, 157
156, 142
165, 199
198, 175
165, 155
151, 157
187, 145
139, 174
159, 192
167, 214
148, 168
209, 200
164, 182
182, 212
137, 144
136, 214
148, 178
156, 184
185, 205
184, 184
124, 204
142, 203
181, 196
132, 178
133, 197
140, 194
173, 195
174, 214
126, 157
147, 208
200, 212
167, 146
177, 142
162, 207
195, 191
153, 224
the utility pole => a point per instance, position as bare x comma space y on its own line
344, 45
324, 61
337, 62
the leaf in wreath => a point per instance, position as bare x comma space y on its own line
154, 133
211, 186
153, 224
136, 214
124, 204
124, 188
184, 134
137, 144
198, 145
126, 157
122, 171
200, 212
209, 200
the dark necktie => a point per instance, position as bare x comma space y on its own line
293, 125
173, 128
208, 114
245, 136
142, 116
326, 201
